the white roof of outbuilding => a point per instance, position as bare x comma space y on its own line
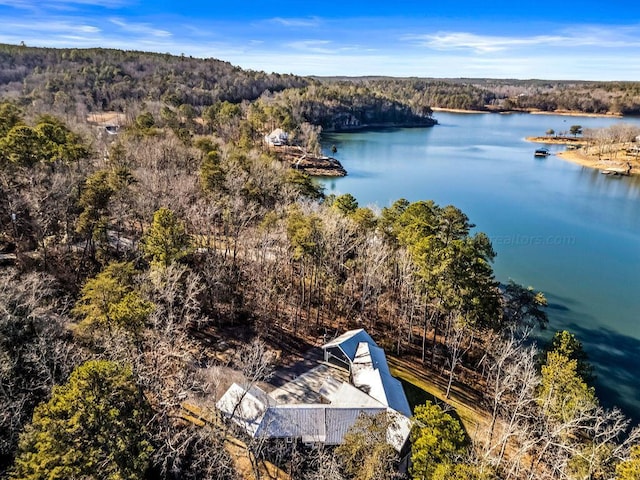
245, 407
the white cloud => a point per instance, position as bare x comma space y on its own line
478, 43
311, 46
576, 37
50, 27
140, 28
16, 3
88, 29
296, 22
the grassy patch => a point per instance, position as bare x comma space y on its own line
419, 387
416, 395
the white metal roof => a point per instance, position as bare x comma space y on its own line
399, 429
245, 407
349, 396
340, 420
297, 409
370, 370
348, 342
306, 422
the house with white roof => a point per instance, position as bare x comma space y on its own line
277, 138
322, 404
368, 368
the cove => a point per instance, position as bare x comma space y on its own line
564, 229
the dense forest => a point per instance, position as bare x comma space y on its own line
142, 272
511, 95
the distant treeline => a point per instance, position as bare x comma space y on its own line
507, 95
90, 80
106, 79
77, 81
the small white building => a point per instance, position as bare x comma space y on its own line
321, 405
277, 138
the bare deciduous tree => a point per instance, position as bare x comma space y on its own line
35, 351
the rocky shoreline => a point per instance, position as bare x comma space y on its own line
309, 163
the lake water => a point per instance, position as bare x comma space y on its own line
564, 229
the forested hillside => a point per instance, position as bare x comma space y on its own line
143, 271
512, 95
78, 82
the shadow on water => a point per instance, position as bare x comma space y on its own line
378, 129
560, 302
614, 356
559, 307
331, 183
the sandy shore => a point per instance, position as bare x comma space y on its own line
458, 110
533, 112
577, 114
580, 157
558, 140
616, 159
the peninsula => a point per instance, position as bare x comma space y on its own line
611, 157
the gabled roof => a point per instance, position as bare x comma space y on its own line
370, 370
321, 405
348, 342
349, 396
327, 424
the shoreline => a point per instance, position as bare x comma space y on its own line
578, 114
314, 165
458, 110
580, 156
565, 113
559, 140
381, 126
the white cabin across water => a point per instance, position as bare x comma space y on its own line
277, 138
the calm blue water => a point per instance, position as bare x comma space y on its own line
564, 229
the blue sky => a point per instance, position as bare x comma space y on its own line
518, 39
